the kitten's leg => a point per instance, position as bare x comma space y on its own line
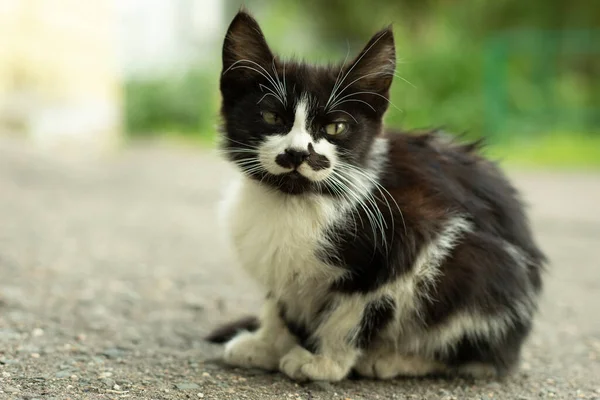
336, 346
263, 348
381, 364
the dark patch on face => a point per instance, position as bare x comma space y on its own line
315, 160
377, 315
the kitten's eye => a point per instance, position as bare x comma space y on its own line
271, 118
336, 128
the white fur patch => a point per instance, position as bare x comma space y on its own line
301, 365
276, 236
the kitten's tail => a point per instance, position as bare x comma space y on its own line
226, 332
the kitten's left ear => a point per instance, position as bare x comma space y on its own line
373, 69
245, 46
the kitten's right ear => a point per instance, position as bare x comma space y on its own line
245, 46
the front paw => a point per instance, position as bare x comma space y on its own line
302, 365
247, 350
390, 365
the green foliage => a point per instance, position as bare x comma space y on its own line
513, 71
186, 104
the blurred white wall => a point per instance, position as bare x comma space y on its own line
59, 82
63, 62
166, 36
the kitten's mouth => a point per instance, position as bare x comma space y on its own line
294, 182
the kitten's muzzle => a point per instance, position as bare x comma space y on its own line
292, 158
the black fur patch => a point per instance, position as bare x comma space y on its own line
502, 354
376, 316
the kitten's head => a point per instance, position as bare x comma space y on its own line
301, 128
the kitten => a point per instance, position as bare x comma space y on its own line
384, 254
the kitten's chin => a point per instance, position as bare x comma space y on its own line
292, 183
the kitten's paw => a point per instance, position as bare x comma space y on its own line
393, 365
302, 365
248, 351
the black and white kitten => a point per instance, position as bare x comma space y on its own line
386, 254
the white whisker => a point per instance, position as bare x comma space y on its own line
357, 101
340, 101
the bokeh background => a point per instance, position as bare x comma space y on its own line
97, 75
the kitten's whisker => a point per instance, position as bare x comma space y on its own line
265, 73
374, 220
336, 83
252, 151
372, 200
267, 94
365, 92
349, 194
280, 85
353, 82
369, 199
380, 188
284, 83
247, 163
335, 187
246, 145
271, 92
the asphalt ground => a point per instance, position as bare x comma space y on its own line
111, 272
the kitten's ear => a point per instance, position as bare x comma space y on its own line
245, 41
373, 69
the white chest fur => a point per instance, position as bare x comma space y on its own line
276, 237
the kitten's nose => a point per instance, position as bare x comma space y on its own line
292, 158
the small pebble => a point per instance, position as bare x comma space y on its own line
116, 387
74, 377
37, 332
35, 355
5, 374
201, 395
205, 374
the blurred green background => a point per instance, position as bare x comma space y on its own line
523, 74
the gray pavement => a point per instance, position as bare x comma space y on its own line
111, 271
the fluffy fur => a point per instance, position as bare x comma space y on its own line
382, 253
